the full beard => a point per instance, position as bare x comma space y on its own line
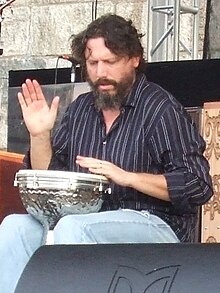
105, 100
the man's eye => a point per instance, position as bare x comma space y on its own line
92, 62
110, 62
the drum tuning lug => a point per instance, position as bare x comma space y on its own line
109, 190
16, 180
35, 183
100, 188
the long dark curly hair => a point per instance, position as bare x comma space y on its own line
120, 36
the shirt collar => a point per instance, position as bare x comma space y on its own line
135, 90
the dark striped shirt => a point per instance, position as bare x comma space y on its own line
153, 134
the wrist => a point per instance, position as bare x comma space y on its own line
41, 136
131, 178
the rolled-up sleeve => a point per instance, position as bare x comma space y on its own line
27, 161
188, 190
59, 160
179, 147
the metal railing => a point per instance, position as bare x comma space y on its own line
164, 24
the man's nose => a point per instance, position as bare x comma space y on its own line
101, 70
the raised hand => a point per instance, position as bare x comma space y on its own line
38, 116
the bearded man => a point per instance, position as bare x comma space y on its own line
128, 129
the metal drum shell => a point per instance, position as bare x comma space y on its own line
49, 195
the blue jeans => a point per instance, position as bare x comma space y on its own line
21, 235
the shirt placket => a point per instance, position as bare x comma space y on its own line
109, 136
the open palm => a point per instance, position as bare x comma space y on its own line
37, 114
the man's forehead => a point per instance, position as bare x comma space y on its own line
96, 48
94, 43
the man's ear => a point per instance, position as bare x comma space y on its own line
136, 61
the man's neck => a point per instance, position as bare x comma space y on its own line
109, 117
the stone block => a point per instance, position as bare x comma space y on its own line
35, 32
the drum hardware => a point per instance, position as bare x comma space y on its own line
49, 195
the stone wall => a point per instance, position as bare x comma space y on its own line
35, 32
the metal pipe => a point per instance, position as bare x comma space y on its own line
195, 32
153, 50
189, 9
149, 32
176, 28
156, 8
173, 11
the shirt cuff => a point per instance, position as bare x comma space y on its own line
177, 193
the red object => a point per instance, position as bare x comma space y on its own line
10, 201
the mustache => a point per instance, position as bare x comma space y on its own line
105, 81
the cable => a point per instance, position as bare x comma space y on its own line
55, 77
94, 9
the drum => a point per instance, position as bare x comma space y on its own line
49, 195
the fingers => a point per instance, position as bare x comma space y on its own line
21, 100
55, 104
98, 168
31, 91
25, 95
109, 170
37, 90
94, 165
89, 162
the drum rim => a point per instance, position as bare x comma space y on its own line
78, 175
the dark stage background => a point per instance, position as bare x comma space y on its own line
192, 82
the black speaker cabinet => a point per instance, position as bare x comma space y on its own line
123, 268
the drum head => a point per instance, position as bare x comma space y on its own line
56, 179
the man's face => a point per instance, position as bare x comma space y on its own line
110, 76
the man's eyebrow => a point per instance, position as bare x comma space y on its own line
89, 49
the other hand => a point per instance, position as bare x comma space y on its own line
101, 167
